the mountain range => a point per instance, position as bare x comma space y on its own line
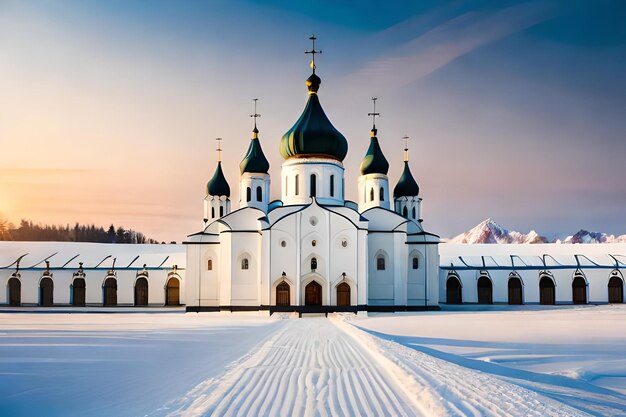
489, 231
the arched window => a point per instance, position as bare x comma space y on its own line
259, 194
212, 212
371, 194
221, 211
380, 263
416, 262
313, 264
313, 186
381, 193
244, 263
413, 212
297, 184
209, 265
332, 185
405, 212
248, 194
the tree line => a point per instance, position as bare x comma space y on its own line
29, 231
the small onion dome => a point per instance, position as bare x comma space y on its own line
218, 185
374, 161
254, 161
406, 186
313, 134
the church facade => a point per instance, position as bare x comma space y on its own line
312, 248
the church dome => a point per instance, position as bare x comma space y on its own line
254, 161
313, 134
217, 185
374, 161
406, 186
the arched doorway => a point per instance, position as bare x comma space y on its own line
616, 290
46, 292
172, 292
485, 291
15, 292
141, 292
78, 292
313, 294
515, 290
546, 291
283, 294
343, 294
110, 292
453, 291
579, 290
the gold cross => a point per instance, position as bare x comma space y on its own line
255, 115
219, 149
313, 52
374, 114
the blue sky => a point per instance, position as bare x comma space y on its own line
515, 109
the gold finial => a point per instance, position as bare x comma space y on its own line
313, 52
219, 149
374, 114
255, 131
406, 148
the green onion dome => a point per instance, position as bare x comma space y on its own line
374, 161
254, 161
218, 185
406, 186
313, 134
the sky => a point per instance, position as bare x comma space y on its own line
515, 109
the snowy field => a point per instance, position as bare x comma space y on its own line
561, 361
575, 355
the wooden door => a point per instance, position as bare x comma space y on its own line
46, 290
283, 296
110, 292
78, 292
515, 291
453, 291
579, 290
15, 292
141, 292
173, 292
546, 291
616, 290
485, 292
343, 294
313, 294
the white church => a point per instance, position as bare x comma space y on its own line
312, 248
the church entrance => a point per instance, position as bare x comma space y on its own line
515, 291
173, 292
616, 290
313, 294
15, 292
546, 291
579, 290
78, 292
46, 288
141, 292
110, 292
283, 296
453, 291
485, 292
343, 294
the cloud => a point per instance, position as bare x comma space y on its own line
454, 38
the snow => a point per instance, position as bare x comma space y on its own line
115, 364
574, 355
529, 361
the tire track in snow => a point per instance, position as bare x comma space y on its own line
310, 368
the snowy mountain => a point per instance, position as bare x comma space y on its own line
489, 231
583, 236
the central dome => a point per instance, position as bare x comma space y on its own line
313, 135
